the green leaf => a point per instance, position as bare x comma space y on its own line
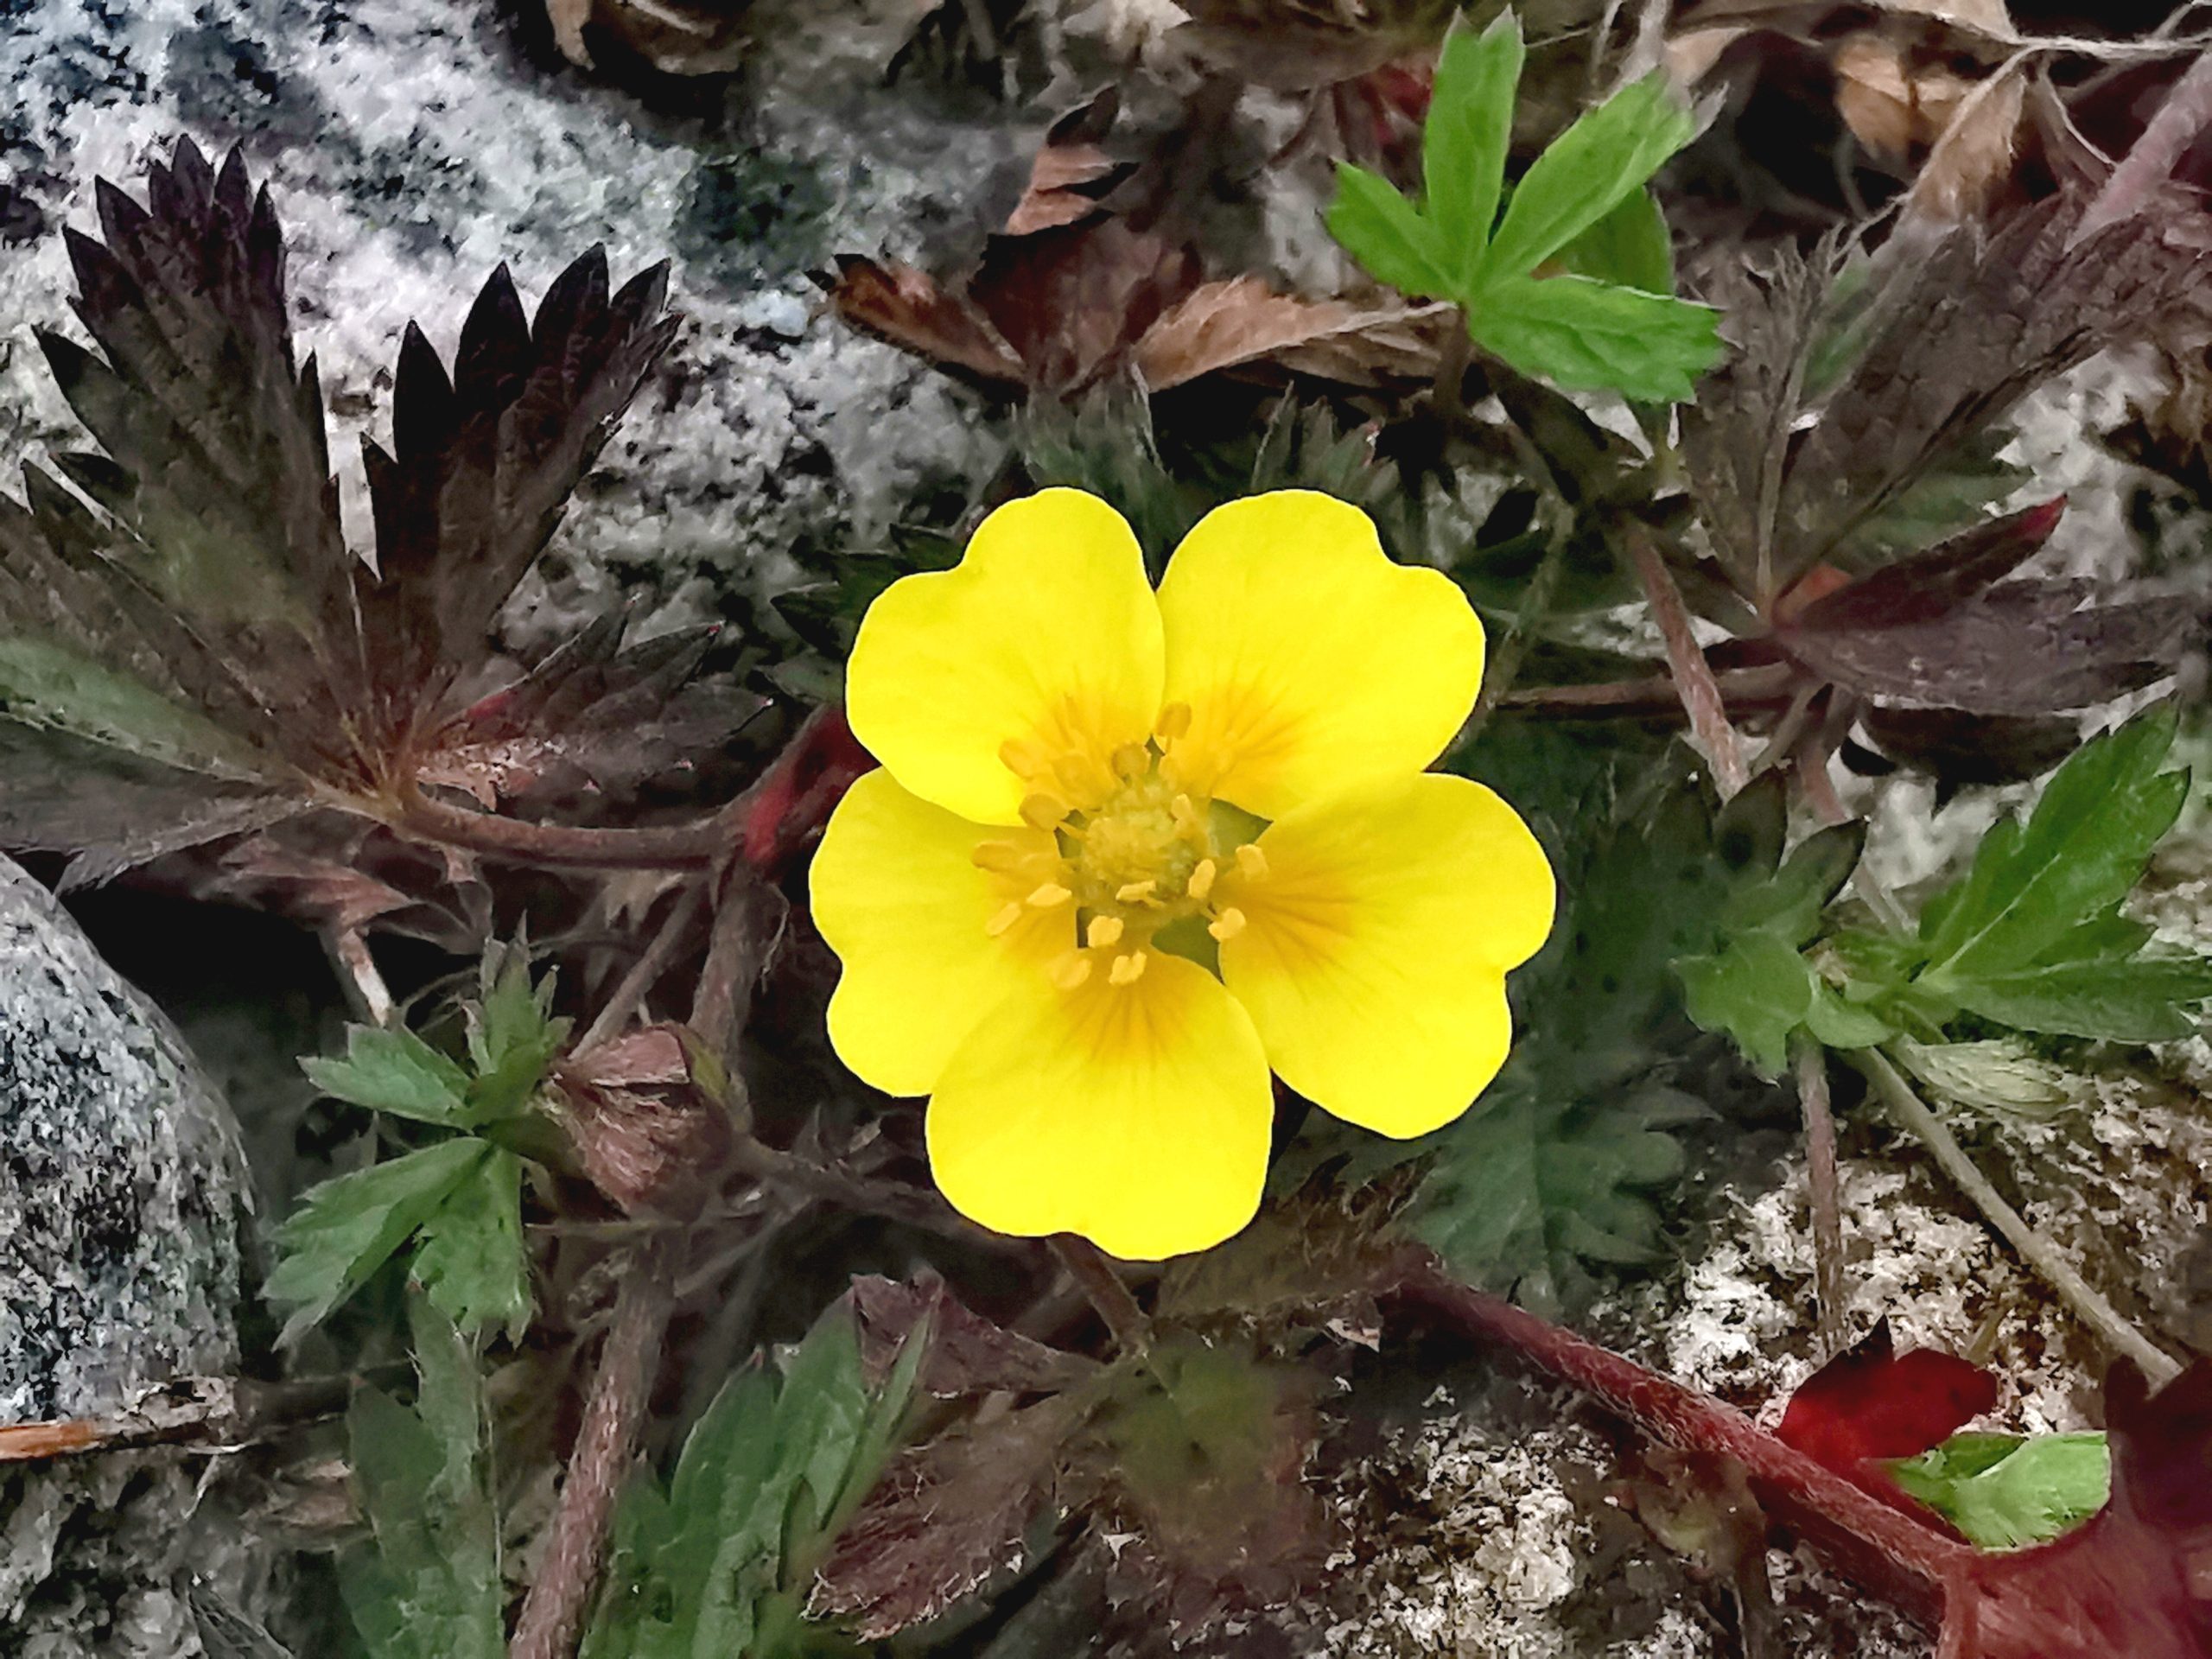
723, 1562
1464, 144
2079, 853
471, 1260
2139, 1001
1996, 1076
2006, 1493
345, 1228
1758, 990
1837, 1022
1594, 336
429, 1585
394, 1071
512, 1035
46, 685
1388, 235
1629, 246
1610, 152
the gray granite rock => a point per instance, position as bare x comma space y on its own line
413, 145
125, 1212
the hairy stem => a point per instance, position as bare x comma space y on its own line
1694, 681
2038, 1252
553, 1612
1883, 1546
1101, 1284
1822, 1182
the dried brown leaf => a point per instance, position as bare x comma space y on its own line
1221, 325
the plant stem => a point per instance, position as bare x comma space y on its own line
2038, 1252
688, 846
553, 1612
1694, 681
1822, 1182
1101, 1284
629, 994
1882, 1546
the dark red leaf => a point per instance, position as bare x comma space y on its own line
1874, 1403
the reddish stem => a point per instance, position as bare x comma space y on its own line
1880, 1546
553, 1612
1694, 681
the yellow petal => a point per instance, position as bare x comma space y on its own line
1310, 663
1135, 1114
896, 894
1374, 953
1046, 639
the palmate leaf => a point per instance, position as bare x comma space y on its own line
429, 1584
187, 597
1614, 324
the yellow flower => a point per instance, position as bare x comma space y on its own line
1128, 850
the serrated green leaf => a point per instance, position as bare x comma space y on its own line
2081, 851
2006, 1493
429, 1585
1790, 902
345, 1228
2138, 1000
1464, 144
392, 1070
46, 685
1630, 247
471, 1260
512, 1035
723, 1563
1584, 175
1388, 235
1594, 336
1758, 988
1999, 1075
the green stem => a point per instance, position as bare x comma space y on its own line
2087, 1303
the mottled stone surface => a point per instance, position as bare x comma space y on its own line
413, 145
124, 1249
121, 1189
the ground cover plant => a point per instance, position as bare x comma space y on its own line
913, 1124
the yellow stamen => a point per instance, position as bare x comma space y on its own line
1003, 920
1068, 971
1083, 777
1174, 721
1185, 815
1043, 811
1103, 931
1227, 925
1024, 759
1132, 760
1001, 857
1135, 893
1048, 895
1201, 875
1126, 970
1251, 862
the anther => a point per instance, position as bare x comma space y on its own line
1136, 893
1251, 862
1184, 814
1068, 971
1024, 759
1002, 857
1227, 925
1126, 970
1083, 777
1174, 721
1048, 895
1102, 932
1132, 760
1043, 811
1201, 875
1003, 920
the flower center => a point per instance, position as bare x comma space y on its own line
1137, 853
